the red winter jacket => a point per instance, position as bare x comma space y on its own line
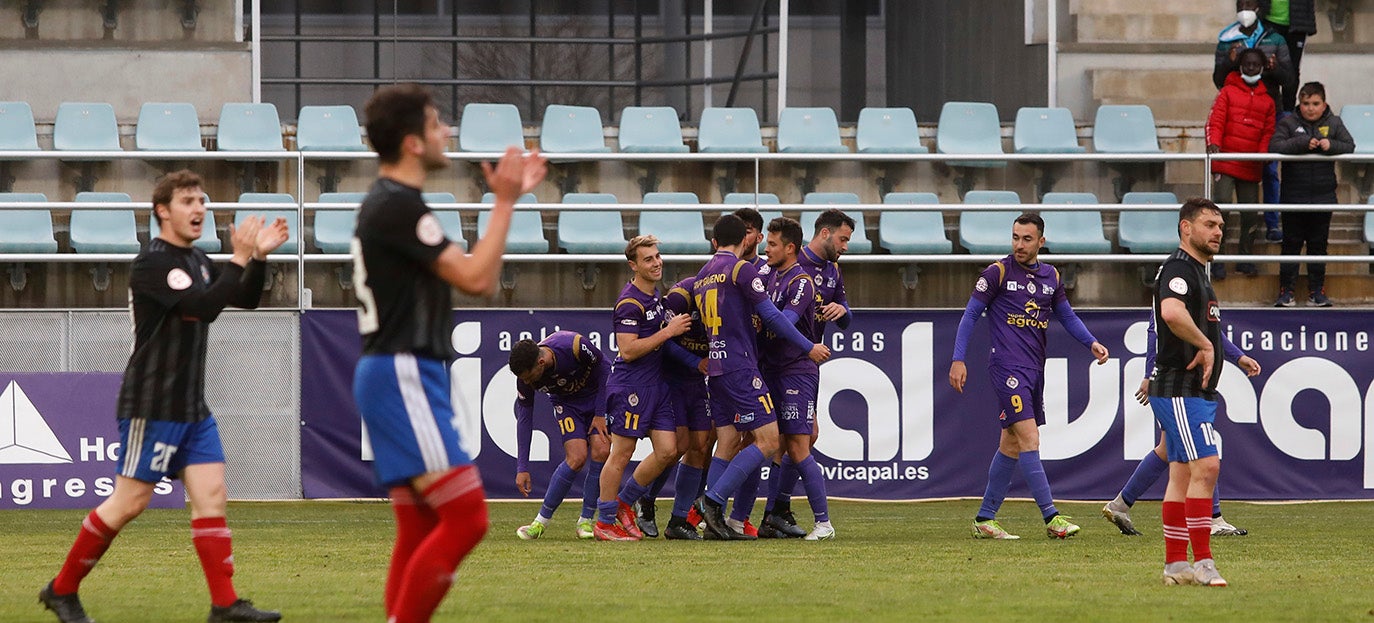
1242, 121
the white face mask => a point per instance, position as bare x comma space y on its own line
1250, 79
1247, 18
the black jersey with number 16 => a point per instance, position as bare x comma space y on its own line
404, 306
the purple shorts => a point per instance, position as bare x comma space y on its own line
740, 399
634, 410
794, 396
1021, 394
574, 419
691, 404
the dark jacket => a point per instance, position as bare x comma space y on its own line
1242, 121
1267, 41
1302, 15
1310, 182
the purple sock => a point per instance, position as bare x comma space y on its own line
1034, 473
714, 471
746, 462
814, 481
1216, 500
558, 489
774, 480
656, 487
631, 491
787, 482
688, 479
605, 511
1150, 469
591, 488
746, 496
999, 478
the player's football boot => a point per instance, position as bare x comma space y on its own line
712, 514
1205, 573
239, 611
625, 516
1178, 573
645, 518
1221, 527
585, 529
990, 529
775, 526
67, 607
611, 532
1118, 513
694, 515
679, 530
750, 530
1060, 528
741, 529
530, 532
822, 532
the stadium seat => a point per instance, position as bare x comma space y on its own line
583, 231
104, 231
572, 129
858, 243
526, 233
748, 199
17, 129
249, 127
290, 247
328, 128
1073, 231
1045, 131
168, 127
988, 232
26, 231
910, 232
970, 128
85, 127
450, 219
677, 232
1154, 231
208, 241
729, 131
809, 131
1359, 121
889, 131
334, 228
490, 128
650, 129
1125, 129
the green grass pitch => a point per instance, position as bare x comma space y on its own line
326, 561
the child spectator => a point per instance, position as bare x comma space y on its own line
1242, 121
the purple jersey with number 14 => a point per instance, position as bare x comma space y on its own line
726, 291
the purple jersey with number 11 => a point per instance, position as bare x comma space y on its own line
726, 291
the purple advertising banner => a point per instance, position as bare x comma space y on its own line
59, 442
892, 428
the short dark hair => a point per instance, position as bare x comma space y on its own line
1031, 218
789, 231
832, 219
1241, 56
751, 218
393, 113
1190, 208
523, 355
167, 186
728, 231
1312, 88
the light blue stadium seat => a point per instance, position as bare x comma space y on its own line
809, 131
355, 198
450, 219
490, 128
526, 233
104, 231
677, 232
651, 129
209, 236
583, 231
328, 128
748, 199
437, 197
249, 127
168, 127
912, 232
1154, 231
729, 131
889, 131
85, 127
1125, 129
988, 232
1045, 131
291, 246
1073, 231
572, 129
970, 128
26, 231
858, 242
17, 129
1359, 121
334, 228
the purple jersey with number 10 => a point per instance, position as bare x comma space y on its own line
725, 292
1020, 303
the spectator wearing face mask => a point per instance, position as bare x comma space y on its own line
1296, 20
1242, 121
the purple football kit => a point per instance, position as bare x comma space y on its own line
725, 292
788, 371
829, 284
637, 398
687, 385
575, 384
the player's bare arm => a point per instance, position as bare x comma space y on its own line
1175, 314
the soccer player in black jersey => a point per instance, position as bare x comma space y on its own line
403, 272
165, 427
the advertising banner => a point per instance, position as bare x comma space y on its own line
892, 428
59, 442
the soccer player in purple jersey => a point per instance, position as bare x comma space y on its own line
748, 491
1018, 290
1156, 462
687, 387
637, 403
753, 237
728, 291
573, 372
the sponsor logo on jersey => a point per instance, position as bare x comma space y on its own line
1213, 311
178, 280
634, 400
1012, 286
205, 273
558, 409
1179, 285
757, 285
758, 383
429, 231
1012, 383
982, 285
1030, 287
744, 418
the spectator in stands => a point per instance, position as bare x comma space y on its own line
1248, 32
1242, 121
1295, 20
1314, 130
